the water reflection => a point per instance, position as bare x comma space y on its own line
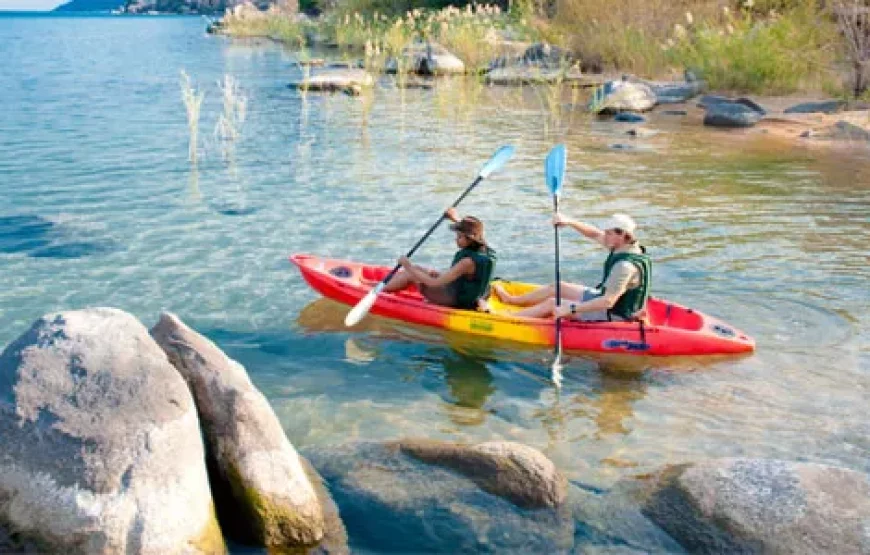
470, 384
597, 402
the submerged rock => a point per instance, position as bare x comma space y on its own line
760, 506
337, 79
825, 107
426, 58
101, 450
392, 502
622, 96
262, 492
514, 471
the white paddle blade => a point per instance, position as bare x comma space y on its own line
498, 160
362, 308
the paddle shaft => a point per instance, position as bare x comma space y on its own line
558, 347
432, 229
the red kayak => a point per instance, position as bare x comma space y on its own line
671, 330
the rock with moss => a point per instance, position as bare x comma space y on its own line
262, 492
417, 507
759, 506
519, 473
101, 449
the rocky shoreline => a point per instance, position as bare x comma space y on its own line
117, 439
813, 121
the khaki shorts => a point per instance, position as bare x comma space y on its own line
588, 294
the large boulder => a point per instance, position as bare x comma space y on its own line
622, 96
724, 112
101, 449
426, 58
263, 494
392, 502
760, 506
519, 473
335, 79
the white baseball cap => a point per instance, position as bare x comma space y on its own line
623, 222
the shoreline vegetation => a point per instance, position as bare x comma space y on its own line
768, 47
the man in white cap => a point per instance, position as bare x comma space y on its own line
624, 287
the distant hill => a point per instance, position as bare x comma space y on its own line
90, 6
161, 6
187, 6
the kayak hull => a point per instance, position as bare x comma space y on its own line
673, 330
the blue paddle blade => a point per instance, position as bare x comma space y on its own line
554, 169
498, 160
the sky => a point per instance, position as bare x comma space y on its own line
29, 5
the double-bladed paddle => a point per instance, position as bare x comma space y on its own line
554, 171
362, 308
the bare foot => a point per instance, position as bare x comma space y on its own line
502, 294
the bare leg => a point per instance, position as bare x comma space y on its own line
568, 291
530, 298
402, 280
543, 309
398, 282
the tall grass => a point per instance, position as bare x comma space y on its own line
779, 53
229, 124
276, 25
192, 103
624, 35
471, 34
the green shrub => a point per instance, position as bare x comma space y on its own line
742, 52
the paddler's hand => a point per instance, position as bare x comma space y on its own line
559, 219
452, 215
563, 311
404, 262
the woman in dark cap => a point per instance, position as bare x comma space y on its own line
466, 282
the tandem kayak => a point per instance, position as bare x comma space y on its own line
672, 329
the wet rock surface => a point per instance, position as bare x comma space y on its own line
101, 448
263, 494
760, 506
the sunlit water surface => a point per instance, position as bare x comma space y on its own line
100, 206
